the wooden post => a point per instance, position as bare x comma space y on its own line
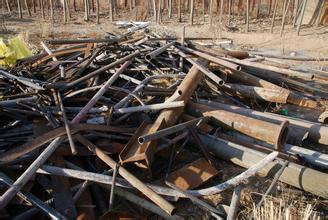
192, 12
302, 16
211, 12
8, 6
27, 8
179, 10
20, 15
52, 10
283, 18
97, 8
247, 15
111, 12
274, 14
170, 9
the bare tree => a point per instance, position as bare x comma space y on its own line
20, 14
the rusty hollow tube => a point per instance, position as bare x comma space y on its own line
171, 130
203, 69
275, 134
158, 51
298, 129
101, 70
213, 59
269, 95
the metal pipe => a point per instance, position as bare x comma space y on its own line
99, 94
84, 41
202, 68
42, 206
275, 134
157, 199
299, 130
101, 70
234, 205
170, 130
158, 51
211, 58
160, 106
29, 172
304, 178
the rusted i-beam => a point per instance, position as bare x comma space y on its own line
143, 153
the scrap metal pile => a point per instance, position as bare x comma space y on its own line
126, 125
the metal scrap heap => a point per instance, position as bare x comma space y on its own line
126, 125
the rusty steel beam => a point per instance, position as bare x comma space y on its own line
274, 134
142, 154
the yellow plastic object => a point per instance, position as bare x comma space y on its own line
15, 49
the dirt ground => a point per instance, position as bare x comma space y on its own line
311, 42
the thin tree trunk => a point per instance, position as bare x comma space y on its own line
247, 15
170, 8
111, 15
192, 12
67, 9
42, 9
64, 10
74, 5
274, 14
155, 10
93, 6
86, 10
8, 6
221, 15
229, 12
27, 8
97, 8
283, 18
320, 12
130, 5
302, 16
179, 10
258, 3
20, 14
52, 10
159, 13
34, 6
269, 8
211, 12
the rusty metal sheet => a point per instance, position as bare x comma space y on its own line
193, 175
